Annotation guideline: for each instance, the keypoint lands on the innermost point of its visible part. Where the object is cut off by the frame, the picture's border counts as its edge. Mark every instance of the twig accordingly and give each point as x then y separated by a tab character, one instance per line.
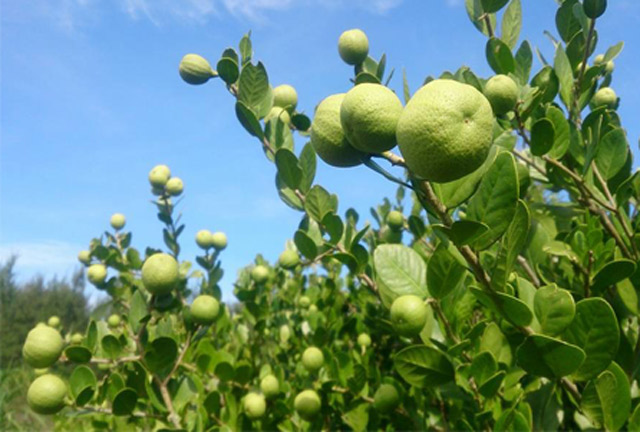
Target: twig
529	271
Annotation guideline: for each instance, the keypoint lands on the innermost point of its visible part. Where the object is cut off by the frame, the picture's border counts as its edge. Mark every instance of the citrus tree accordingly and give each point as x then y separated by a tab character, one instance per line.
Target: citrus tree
502	296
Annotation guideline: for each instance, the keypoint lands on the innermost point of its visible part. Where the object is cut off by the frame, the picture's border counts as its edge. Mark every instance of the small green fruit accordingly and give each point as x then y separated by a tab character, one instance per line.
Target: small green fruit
113	321
160	273
353	46
604	97
289	259
285	96
97	274
280	113
260	274
40	371
364	340
54	322
174	186
313	309
84	257
219	240
195	69
307	404
46	394
159	176
42	347
594	8
388	235
304	302
386	398
77	338
117	221
270	386
285	333
204	309
254	405
408	315
312	359
395	220
203	239
502	93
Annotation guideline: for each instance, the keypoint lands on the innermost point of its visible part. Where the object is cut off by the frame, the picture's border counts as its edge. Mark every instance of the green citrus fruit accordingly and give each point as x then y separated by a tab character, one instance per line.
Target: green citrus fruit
203	239
40	371
408	315
386	398
353	46
160	273
364	340
280	113
46	394
445	131
174	186
159	176
307	404
42	347
254	405
76	338
304	302
285	333
395	220
204	309
195	69
289	259
594	8
604	97
53	321
327	135
260	274
84	257
369	116
502	93
113	321
313	309
219	240
388	235
270	386
117	221
285	96
312	359
97	274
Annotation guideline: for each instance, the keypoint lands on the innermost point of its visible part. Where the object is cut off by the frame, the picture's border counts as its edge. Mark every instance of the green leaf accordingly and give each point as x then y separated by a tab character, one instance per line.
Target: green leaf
246	51
462	232
561	132
125	402
288	196
423	366
319	202
512	244
289	169
366	77
542	137
305	245
138	311
564	72
634	421
512	24
492	6
308	165
612	153
524	60
595	330
228	70
493	340
499	56
554	309
334	227
606	401
444	272
483	366
248	120
400	271
357	416
566	22
301	122
548	357
612	273
476	12
511	420
253	86
613	52
161	355
82	384
406	93
279	135
513	309
78	354
111	346
494	204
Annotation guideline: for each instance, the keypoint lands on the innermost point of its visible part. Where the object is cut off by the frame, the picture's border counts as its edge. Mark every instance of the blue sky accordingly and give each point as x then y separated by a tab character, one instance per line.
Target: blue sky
91	100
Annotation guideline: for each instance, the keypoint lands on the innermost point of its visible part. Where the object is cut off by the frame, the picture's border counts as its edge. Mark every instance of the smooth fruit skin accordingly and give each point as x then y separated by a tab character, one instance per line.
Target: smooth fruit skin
203	239
285	333
204	309
408	315
594	8
369	115
312	359
259	274
279	113
604	97
270	386
195	69
53	321
389	235
42	347
159	176
445	131
160	273
117	221
502	93
307	404
76	338
113	321
84	257
304	302
395	220
289	259
328	138
285	96
364	340
97	274
219	240
353	46
386	398
254	405
174	186
46	394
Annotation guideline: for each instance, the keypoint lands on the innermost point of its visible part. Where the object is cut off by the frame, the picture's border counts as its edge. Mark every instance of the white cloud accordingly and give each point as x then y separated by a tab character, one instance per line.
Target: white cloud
49	257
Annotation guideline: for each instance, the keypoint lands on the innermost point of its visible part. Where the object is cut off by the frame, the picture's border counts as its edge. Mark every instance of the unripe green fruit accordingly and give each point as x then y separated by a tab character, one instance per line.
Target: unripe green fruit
53	321
42	347
117	221
285	333
353	46
594	8
328	138
364	340
386	398
408	315
174	186
304	302
285	96
204	309
195	69
254	405
113	321
270	386
312	359
395	220
604	97
260	274
280	113
160	273
40	371
598	60
313	309
502	93
388	235
289	259
203	239
369	116
307	404
219	240
97	274
76	338
84	257
46	394
159	176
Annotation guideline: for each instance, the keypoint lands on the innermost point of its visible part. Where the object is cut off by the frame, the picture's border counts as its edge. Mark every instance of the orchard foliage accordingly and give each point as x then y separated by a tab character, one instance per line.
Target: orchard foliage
505	299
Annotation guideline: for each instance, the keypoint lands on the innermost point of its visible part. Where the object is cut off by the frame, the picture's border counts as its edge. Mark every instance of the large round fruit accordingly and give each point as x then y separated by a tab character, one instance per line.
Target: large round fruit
97	274
408	315
204	309
174	186
160	273
386	398
285	96
395	220
312	359
604	97
159	176
219	240
353	46
254	405
84	257
113	321
46	394
364	340
289	259
445	131
195	69
117	221
260	274
270	386
53	321
502	93
307	404
594	8
203	239
327	135
369	116
42	346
